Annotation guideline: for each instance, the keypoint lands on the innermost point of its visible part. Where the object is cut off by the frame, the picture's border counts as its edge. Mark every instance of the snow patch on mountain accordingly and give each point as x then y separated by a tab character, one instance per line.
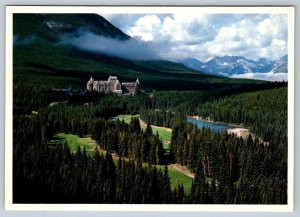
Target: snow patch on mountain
281	66
238	66
58	25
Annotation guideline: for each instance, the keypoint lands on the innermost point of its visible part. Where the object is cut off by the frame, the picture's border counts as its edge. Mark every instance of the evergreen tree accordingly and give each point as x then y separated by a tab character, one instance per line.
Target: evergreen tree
199	191
166	187
148	130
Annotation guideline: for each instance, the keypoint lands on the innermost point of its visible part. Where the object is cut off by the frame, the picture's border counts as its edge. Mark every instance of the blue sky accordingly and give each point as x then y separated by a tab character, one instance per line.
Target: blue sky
203	36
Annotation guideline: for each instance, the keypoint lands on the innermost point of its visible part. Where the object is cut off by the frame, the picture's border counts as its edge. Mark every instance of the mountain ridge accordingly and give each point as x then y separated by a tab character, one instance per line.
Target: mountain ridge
230	65
43	55
50	26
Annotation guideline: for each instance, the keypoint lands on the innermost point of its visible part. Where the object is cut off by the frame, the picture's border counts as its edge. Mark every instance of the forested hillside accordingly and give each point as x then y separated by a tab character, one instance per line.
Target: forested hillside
265	112
238	167
130	164
40	55
228	169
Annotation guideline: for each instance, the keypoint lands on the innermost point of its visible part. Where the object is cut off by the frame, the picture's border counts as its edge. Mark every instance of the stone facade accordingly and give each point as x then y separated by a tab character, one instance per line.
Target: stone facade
113	85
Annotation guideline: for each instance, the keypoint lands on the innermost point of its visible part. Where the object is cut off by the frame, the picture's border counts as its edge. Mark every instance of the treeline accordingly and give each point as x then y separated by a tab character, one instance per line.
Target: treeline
164	108
127	140
33	93
166	118
52	174
45	173
34	98
265	112
189	101
228	169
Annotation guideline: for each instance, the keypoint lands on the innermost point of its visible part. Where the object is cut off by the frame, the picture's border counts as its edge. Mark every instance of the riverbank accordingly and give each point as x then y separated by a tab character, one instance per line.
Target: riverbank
208	119
239	132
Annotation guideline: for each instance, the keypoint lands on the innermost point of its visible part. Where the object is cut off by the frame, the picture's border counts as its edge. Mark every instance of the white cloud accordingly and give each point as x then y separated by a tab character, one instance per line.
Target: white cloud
175	36
251	40
146	28
202	36
278	42
270	76
129	49
265	27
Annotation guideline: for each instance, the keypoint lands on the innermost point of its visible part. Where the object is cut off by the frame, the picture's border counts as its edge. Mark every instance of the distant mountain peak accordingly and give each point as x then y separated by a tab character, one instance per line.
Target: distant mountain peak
228	65
284	58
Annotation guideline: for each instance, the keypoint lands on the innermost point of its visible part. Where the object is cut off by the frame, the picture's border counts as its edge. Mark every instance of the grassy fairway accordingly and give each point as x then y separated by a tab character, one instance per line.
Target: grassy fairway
74	141
177	177
163	132
126	118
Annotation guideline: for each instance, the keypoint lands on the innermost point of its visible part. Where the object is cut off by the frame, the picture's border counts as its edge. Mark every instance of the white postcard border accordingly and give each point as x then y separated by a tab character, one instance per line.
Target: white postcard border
10	10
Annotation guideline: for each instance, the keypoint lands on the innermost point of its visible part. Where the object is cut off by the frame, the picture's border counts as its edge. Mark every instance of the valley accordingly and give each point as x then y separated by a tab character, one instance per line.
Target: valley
177	174
73	144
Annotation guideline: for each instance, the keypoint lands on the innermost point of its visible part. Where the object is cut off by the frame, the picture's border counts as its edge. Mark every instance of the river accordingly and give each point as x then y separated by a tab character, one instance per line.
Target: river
217	127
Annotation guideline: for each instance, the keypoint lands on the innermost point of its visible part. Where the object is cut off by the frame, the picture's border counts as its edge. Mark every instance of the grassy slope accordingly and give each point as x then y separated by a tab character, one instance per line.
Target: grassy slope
178	178
163	132
74	141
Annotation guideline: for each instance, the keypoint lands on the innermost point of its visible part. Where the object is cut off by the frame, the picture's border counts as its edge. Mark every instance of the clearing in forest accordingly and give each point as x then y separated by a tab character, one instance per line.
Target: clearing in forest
163	132
74	141
176	177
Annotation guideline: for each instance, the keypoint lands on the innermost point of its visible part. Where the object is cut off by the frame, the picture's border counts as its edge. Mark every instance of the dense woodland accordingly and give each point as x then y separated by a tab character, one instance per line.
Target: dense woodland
263	111
228	169
232	170
49	97
52	174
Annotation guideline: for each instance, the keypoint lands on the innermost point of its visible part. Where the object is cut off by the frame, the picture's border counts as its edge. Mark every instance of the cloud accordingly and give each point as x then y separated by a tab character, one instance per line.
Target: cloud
266	38
122	21
146	27
17	40
173	36
175	28
270	76
128	49
203	36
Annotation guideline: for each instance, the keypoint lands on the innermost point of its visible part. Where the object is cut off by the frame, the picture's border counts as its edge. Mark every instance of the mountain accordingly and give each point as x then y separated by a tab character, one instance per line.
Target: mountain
50	27
39	55
230	65
281	65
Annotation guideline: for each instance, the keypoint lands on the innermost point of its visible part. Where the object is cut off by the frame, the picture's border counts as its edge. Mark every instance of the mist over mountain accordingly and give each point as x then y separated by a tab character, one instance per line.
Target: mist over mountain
87	32
51	27
126	49
94	34
78	46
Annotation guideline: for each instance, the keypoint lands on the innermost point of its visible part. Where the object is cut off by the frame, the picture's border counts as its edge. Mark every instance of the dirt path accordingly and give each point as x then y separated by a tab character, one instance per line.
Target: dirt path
154	126
178	167
183	170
